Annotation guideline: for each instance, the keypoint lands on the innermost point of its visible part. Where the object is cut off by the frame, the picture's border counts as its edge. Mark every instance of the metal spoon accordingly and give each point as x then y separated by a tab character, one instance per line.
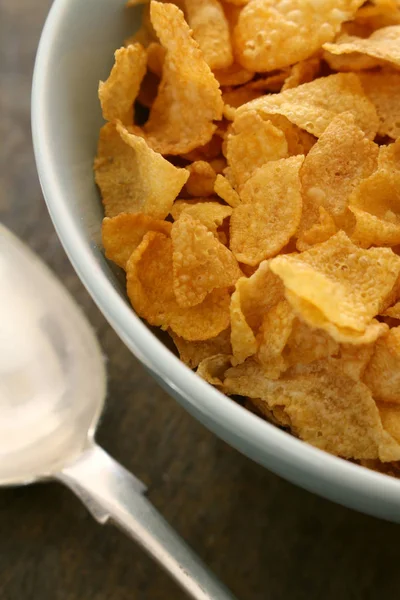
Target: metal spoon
52	390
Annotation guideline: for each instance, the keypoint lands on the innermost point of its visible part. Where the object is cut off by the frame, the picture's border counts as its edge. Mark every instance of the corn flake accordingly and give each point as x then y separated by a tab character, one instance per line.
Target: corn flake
213	368
390	417
350	62
218	164
316	319
269	213
155	58
353	359
210	214
302	72
180	205
389	156
151	292
210	29
235	98
383	89
273	336
201	179
243	340
312	106
276	415
319	232
383	44
375	204
299	141
346	283
382	374
187	88
271	35
233	75
306	344
332	169
122	234
259	293
224	189
393	311
118	94
134	178
193	353
378	14
252	299
201	263
251	143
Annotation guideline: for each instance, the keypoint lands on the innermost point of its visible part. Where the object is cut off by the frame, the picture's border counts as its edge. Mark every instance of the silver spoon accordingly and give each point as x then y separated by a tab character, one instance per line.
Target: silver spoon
52	390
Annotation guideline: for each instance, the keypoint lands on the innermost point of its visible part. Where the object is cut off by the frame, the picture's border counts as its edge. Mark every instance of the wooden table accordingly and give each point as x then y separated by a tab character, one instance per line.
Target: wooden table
264	537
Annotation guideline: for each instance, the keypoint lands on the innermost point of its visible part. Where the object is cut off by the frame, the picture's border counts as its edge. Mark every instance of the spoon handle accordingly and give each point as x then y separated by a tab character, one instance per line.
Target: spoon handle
110	492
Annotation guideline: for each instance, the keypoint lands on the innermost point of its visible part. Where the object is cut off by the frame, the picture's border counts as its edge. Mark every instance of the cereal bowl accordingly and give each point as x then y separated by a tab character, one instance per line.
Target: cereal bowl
75	52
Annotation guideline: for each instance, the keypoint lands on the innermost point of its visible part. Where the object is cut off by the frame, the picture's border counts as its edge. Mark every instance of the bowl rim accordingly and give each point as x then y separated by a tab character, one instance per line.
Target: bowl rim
253	436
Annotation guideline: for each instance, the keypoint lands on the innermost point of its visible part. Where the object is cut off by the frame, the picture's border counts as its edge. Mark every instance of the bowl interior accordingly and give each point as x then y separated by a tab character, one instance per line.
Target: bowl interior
76	51
82	59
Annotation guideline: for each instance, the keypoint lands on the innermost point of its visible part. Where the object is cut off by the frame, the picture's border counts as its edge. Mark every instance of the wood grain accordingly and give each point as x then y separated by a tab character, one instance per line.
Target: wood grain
264	537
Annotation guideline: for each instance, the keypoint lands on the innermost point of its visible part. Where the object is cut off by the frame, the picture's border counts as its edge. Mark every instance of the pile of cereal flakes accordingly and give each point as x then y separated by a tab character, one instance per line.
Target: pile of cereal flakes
250	175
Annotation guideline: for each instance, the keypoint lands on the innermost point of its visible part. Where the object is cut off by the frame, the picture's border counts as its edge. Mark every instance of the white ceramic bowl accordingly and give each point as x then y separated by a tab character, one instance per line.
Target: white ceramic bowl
76	50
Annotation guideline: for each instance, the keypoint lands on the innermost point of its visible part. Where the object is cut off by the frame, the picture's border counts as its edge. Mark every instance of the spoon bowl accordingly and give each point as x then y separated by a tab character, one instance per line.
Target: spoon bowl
52	374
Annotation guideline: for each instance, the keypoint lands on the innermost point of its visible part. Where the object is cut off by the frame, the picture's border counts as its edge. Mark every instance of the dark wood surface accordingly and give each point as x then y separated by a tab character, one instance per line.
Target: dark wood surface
265	538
